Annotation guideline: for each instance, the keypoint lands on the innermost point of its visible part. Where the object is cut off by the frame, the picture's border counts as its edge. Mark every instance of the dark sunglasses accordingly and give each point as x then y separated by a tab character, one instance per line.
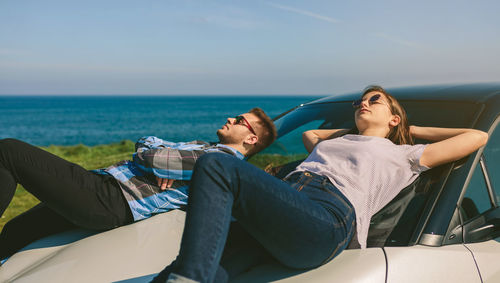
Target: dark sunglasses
373	99
240	120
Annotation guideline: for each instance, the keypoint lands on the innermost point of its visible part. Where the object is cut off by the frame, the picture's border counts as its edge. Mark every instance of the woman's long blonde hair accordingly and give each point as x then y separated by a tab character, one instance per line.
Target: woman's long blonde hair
399	134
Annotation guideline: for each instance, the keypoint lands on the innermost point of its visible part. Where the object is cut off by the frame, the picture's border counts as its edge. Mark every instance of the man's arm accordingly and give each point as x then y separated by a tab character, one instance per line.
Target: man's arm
149	142
168	163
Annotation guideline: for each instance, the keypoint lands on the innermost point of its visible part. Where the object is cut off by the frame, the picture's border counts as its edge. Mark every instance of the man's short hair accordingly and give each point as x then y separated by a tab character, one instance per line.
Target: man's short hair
266	131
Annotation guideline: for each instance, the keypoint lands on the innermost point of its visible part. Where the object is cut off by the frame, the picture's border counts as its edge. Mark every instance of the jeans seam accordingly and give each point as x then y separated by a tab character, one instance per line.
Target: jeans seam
349	207
214	246
346	205
348	216
332	255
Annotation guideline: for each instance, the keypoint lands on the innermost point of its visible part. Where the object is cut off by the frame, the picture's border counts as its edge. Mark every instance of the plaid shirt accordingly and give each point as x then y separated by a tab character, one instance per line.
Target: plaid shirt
155	157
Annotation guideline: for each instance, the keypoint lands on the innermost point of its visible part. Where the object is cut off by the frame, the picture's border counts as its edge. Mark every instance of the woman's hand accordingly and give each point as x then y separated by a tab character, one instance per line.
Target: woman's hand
312	137
164	183
450	144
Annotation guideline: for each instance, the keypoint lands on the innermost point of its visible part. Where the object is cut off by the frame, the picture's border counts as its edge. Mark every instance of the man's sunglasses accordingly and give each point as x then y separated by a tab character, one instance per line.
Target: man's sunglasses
373	99
240	120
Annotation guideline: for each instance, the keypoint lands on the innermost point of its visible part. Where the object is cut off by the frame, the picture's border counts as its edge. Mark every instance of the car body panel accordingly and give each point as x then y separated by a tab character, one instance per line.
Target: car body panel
453	263
487	257
366	265
477	93
139	251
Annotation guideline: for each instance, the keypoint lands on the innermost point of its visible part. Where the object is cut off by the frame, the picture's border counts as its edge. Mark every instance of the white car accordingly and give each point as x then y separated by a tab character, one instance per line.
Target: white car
445	227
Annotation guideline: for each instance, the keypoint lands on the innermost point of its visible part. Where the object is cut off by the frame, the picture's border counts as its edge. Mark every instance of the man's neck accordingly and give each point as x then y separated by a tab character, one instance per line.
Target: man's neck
238	147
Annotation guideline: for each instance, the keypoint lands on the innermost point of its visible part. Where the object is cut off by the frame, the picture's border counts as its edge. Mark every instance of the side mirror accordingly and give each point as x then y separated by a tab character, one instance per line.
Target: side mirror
483	227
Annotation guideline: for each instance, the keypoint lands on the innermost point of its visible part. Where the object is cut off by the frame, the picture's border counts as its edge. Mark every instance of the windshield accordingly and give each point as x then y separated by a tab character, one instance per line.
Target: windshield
340	115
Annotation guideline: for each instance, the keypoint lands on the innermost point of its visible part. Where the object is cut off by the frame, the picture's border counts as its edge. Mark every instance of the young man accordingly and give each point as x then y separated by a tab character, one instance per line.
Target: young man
155	181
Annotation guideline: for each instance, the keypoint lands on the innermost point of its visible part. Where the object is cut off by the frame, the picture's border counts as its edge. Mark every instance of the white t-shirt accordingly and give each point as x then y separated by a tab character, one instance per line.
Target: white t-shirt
369	171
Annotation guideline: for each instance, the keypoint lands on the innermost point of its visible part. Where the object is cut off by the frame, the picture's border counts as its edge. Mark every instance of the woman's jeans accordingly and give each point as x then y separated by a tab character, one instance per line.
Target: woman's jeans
303	222
83	198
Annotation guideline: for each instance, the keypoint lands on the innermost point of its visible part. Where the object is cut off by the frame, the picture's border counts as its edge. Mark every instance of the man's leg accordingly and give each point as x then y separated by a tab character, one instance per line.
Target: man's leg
297	231
34	224
84	198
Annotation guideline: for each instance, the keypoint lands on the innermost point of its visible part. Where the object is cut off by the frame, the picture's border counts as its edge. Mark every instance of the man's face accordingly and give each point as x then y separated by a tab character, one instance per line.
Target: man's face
236	130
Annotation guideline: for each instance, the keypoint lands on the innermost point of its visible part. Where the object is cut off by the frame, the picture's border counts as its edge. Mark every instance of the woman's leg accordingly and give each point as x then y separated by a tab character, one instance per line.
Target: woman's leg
84	198
298	231
241	253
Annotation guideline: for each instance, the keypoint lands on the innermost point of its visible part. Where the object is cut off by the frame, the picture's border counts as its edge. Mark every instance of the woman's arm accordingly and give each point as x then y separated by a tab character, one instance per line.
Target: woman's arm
312	137
450	144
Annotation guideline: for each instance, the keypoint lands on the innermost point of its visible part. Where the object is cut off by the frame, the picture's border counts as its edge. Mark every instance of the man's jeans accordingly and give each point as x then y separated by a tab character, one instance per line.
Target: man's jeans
303	222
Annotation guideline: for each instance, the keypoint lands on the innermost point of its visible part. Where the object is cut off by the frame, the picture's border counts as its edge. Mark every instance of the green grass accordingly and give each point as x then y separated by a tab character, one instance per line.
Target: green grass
102	156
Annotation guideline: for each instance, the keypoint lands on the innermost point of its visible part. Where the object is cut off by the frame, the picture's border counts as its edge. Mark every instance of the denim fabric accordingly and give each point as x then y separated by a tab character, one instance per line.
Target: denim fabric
175	278
303	222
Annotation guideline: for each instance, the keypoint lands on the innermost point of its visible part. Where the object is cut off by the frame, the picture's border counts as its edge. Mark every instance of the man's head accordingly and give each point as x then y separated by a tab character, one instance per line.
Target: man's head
249	133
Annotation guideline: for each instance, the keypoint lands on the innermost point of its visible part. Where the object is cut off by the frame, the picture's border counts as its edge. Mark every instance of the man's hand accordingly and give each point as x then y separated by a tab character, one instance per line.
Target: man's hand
164	183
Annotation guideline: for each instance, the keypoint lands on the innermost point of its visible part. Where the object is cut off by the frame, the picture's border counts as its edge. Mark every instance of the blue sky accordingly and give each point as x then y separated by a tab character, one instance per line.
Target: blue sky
243	47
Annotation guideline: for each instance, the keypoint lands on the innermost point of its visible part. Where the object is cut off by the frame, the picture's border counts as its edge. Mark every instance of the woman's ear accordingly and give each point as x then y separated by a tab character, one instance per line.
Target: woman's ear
395	120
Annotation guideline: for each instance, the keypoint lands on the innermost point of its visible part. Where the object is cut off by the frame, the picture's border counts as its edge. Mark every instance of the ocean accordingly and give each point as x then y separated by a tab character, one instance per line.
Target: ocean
93	120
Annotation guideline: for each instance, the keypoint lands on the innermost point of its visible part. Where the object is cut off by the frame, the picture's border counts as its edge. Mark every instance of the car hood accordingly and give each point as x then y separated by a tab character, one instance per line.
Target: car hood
137	252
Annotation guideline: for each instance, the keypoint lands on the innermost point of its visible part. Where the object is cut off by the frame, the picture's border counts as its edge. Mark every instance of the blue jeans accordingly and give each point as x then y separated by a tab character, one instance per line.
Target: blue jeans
303	222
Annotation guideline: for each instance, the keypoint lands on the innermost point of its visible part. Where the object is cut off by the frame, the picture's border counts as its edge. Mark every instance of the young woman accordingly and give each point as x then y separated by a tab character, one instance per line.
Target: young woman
309	217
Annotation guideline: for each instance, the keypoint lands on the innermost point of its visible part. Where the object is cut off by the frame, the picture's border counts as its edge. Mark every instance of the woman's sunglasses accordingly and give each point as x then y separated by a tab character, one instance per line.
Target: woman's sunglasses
240	120
372	100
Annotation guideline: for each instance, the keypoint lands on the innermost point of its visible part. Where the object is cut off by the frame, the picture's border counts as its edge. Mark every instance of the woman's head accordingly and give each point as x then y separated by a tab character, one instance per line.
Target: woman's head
380	111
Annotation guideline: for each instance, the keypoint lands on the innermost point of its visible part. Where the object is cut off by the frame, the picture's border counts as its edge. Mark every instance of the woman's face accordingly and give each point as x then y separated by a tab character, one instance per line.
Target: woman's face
374	111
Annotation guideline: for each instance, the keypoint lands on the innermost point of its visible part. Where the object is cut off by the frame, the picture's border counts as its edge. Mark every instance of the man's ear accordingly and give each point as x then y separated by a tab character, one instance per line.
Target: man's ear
396	119
251	139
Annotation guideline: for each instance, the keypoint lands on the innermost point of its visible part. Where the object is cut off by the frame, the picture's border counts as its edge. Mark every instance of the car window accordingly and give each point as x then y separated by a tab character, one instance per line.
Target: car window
477	199
291	126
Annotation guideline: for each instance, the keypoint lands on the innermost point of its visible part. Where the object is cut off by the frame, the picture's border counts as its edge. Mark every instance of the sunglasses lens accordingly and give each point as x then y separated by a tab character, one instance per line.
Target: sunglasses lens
356	103
375	98
238	119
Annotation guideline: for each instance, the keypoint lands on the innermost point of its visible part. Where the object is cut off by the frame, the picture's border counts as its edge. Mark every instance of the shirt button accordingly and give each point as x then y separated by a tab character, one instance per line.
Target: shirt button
307	174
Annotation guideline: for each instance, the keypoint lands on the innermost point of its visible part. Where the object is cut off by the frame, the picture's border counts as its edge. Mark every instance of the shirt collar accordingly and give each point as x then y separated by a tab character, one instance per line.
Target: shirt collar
236	152
355	137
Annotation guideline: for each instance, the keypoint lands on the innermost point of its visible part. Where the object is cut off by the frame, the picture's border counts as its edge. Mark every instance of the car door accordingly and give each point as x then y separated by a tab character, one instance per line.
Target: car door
480	209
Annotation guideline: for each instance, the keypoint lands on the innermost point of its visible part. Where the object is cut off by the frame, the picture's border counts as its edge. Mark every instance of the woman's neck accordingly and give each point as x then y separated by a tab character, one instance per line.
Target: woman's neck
374	132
